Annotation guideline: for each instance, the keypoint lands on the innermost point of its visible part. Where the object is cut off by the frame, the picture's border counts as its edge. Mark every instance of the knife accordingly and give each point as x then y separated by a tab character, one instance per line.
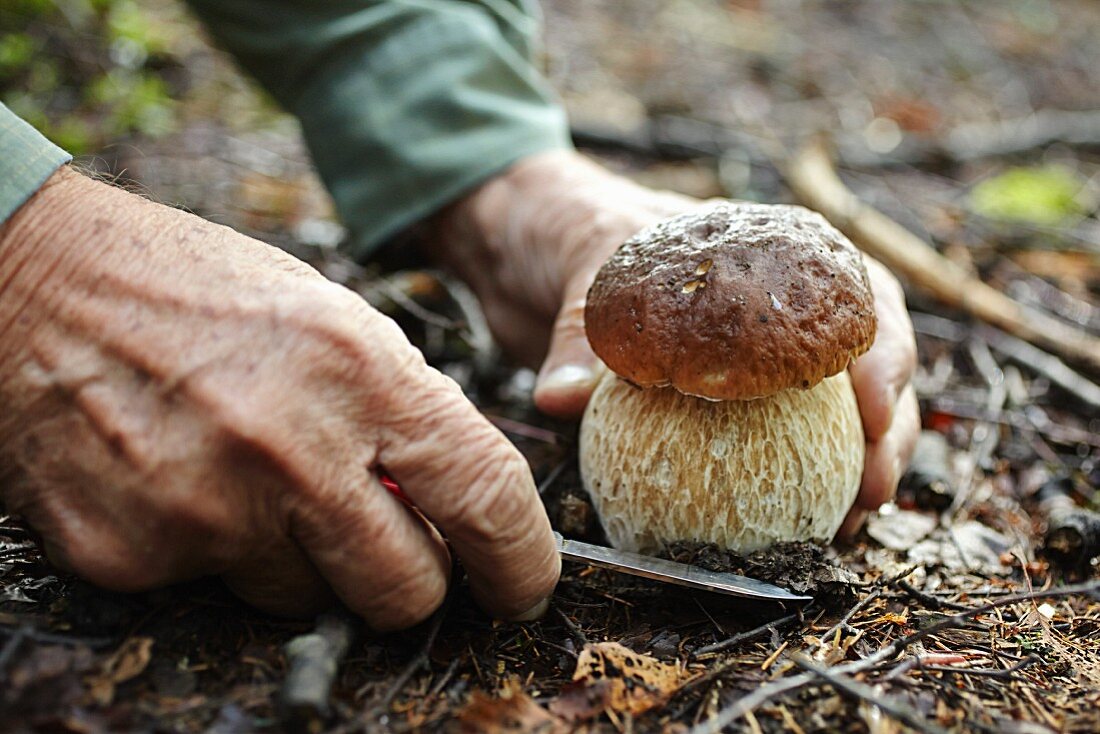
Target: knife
672	572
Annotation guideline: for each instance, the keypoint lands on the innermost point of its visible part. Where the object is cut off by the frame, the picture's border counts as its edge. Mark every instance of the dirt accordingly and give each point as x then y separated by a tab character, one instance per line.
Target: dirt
804	568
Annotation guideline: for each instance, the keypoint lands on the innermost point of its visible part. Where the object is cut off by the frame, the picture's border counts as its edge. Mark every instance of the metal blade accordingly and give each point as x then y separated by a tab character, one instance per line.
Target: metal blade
672	572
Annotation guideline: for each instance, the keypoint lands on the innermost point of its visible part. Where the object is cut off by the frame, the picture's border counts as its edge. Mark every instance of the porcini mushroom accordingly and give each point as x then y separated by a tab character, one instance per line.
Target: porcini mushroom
728	416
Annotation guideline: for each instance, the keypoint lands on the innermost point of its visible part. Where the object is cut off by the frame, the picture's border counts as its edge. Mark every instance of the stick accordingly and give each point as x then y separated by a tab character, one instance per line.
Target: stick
673	137
814	180
1044	364
312	661
721	645
419	660
843	623
1073	533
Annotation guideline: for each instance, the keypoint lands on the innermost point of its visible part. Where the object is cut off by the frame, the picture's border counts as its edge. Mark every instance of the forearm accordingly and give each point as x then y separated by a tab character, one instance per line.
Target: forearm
405	104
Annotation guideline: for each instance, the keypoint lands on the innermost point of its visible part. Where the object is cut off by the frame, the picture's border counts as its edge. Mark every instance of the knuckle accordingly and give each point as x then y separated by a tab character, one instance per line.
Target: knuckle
495	506
338	322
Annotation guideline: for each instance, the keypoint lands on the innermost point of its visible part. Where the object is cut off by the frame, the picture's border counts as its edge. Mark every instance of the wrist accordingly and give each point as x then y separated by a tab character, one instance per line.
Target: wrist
35	242
542	216
548	189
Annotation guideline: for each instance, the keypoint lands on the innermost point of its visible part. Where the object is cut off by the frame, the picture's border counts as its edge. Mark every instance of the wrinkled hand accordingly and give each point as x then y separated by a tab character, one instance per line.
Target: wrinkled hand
179	400
530	242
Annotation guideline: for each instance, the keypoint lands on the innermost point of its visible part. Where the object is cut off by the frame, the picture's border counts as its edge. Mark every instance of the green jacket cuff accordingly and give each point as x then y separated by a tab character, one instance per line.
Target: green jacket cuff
26	160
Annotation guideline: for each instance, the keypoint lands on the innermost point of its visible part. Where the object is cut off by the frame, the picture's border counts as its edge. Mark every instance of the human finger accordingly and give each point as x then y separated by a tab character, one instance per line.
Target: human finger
476	487
880	375
885	462
280	580
382	560
571	370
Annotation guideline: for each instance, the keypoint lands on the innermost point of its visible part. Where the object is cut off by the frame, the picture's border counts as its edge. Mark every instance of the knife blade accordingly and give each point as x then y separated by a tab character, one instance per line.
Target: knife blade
672	572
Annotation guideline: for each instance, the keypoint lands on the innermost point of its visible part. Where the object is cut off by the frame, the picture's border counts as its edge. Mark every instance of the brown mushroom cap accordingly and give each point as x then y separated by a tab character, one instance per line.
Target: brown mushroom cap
734	302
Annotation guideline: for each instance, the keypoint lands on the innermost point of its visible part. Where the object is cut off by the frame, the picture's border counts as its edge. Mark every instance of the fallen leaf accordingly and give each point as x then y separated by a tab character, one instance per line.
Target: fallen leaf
901	529
511	711
900	620
128	662
968	546
611	677
1046	195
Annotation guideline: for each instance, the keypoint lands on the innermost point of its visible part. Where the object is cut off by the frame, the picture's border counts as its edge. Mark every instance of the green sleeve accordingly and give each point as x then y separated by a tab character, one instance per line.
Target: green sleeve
405	104
26	160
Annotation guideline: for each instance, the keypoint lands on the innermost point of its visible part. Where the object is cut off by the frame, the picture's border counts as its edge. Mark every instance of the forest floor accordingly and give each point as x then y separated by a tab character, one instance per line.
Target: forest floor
974	125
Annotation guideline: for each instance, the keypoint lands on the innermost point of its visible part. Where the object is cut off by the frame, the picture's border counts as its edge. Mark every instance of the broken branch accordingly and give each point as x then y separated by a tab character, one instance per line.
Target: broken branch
1073	533
814	180
312	662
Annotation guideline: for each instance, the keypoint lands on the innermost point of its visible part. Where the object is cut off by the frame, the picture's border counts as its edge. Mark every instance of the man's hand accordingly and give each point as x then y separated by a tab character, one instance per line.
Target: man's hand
530	243
179	400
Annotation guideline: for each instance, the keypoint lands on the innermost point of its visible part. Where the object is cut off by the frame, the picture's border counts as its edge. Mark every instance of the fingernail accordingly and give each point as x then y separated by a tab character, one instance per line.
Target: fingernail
534	612
567	377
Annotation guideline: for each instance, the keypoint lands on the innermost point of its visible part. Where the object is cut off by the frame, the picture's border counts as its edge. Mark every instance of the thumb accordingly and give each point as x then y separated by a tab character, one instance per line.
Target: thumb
570	370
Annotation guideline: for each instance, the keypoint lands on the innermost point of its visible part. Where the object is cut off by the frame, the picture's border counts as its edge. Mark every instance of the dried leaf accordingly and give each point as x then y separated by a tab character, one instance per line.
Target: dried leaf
900	529
610	677
128	662
900	620
512	711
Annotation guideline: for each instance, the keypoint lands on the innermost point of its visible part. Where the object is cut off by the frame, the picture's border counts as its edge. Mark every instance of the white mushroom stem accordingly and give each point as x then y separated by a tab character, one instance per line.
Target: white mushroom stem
662	466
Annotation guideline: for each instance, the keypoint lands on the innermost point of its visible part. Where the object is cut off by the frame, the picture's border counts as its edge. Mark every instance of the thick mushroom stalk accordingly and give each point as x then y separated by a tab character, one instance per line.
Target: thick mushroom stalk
662	466
729	416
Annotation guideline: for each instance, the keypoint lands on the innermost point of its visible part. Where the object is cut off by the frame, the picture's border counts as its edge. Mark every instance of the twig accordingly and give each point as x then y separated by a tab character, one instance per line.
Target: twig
577	632
987	672
814	180
740	637
552	477
398	296
517	428
775	688
312	661
887	704
927	599
480	336
851	613
416	663
1044	364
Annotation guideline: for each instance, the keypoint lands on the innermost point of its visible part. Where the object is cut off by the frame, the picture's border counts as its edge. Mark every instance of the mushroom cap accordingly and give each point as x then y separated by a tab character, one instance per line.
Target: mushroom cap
737	301
662	466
